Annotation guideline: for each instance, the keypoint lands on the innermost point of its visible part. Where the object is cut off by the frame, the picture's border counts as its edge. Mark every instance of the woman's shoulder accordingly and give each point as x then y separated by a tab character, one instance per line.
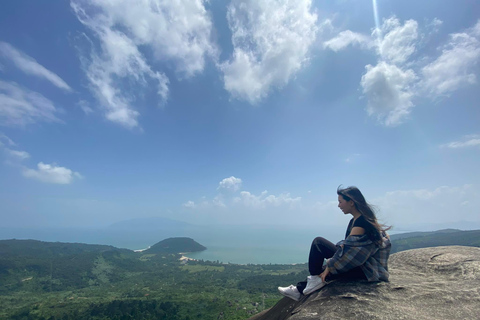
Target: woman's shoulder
361	222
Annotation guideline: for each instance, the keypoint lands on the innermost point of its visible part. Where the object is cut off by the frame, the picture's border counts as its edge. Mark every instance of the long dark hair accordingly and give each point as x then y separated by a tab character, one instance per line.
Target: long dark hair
366	210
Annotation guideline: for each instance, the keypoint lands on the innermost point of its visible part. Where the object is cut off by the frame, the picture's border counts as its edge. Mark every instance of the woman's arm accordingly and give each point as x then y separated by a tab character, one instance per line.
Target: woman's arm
324	274
357	231
353	252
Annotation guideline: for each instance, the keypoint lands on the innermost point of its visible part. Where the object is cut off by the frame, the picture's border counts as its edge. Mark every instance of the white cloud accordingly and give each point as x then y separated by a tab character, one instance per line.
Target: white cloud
399	77
346	38
14	155
245	207
20	155
271	41
394	42
388	87
231	184
466	142
389	92
4	140
20	106
85	106
264	200
120	59
176	31
398	42
189	204
48	173
30	66
51	174
455	66
219	201
434	25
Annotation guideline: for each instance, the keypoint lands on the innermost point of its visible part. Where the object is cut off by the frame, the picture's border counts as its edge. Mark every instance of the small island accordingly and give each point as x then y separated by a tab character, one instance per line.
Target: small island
175	245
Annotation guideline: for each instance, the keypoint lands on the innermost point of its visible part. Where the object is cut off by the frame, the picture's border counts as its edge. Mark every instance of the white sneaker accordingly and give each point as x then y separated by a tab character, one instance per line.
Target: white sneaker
313	283
290	292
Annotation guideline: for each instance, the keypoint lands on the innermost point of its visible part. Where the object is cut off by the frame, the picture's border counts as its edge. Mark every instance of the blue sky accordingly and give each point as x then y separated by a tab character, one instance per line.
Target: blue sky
238	112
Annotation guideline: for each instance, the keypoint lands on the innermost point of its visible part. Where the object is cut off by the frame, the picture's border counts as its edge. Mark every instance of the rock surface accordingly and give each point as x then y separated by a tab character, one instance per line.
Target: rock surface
428	283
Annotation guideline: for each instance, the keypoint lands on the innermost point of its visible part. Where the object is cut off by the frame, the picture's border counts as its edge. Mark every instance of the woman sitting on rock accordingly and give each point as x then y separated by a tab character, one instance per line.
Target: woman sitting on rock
363	255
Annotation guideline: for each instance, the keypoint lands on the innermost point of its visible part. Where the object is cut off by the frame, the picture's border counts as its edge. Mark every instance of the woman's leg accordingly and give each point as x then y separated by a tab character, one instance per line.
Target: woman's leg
320	250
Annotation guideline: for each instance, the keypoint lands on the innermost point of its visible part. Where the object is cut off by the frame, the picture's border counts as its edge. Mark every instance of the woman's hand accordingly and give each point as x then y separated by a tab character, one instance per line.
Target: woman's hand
324	274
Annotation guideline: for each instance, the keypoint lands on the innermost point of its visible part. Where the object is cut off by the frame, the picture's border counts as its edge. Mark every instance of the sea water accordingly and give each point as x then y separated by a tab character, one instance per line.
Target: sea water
260	245
225	244
253	255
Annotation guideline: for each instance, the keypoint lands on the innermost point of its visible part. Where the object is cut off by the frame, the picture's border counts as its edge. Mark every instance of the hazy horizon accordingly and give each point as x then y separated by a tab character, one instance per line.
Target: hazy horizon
228	244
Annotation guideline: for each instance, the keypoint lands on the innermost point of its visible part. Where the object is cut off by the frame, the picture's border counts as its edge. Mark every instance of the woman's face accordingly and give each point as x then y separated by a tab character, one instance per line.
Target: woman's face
345	206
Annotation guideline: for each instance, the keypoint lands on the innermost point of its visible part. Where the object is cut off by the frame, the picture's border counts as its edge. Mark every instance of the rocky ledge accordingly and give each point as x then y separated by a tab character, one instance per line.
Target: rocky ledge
428	283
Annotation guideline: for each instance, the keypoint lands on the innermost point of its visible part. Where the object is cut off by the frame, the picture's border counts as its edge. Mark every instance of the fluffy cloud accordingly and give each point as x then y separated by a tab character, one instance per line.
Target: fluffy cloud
231	184
20	106
453	68
20	155
189	204
394	42
271	41
48	173
389	92
466	142
392	85
243	207
388	86
346	38
30	66
264	200
51	174
177	31
398	42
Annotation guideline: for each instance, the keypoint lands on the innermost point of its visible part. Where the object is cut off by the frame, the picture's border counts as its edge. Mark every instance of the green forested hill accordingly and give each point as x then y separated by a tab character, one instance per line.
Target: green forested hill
45	280
176	245
448	237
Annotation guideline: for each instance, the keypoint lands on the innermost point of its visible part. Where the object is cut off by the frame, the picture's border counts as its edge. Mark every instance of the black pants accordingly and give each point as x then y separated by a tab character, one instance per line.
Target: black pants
320	250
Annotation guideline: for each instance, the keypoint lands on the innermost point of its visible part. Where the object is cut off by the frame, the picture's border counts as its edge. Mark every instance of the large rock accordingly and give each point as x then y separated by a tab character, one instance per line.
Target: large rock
429	283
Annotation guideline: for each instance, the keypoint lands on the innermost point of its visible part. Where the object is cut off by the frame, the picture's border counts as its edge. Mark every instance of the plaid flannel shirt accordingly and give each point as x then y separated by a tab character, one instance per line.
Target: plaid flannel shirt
361	251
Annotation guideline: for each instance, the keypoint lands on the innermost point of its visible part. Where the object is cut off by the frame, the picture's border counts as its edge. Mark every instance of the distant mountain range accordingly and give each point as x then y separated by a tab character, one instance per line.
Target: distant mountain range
446	237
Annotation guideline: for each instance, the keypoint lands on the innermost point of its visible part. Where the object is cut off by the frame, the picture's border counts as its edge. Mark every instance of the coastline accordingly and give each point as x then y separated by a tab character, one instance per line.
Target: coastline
185	258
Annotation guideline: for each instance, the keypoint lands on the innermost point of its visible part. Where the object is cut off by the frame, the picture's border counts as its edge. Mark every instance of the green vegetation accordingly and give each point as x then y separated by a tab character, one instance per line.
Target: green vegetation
200	268
176	245
44	280
448	237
